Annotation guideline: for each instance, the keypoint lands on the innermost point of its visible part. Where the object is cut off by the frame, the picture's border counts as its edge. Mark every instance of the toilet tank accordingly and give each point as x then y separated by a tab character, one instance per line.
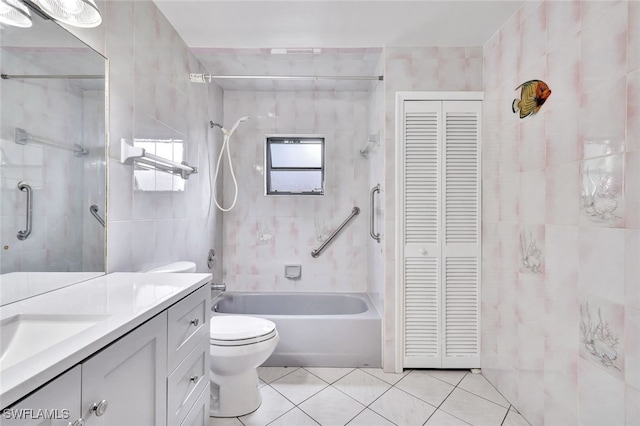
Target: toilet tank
183	266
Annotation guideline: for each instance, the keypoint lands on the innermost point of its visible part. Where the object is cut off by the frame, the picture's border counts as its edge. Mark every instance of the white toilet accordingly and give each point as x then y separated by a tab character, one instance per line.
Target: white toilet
183	266
239	345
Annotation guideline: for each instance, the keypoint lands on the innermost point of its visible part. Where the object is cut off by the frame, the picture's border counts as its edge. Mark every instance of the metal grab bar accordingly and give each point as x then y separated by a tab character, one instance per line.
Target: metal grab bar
354	212
94	211
22	137
375	235
24	186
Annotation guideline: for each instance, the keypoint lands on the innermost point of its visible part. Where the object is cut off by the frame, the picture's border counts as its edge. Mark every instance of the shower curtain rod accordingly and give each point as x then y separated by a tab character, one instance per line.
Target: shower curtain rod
61	76
206	78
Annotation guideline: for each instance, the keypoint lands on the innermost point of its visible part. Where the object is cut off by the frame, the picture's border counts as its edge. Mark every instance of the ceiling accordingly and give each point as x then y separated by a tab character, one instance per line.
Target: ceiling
346	23
235	37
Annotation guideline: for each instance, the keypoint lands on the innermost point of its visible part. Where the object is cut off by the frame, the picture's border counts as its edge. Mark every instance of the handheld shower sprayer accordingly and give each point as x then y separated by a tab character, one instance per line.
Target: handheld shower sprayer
225	145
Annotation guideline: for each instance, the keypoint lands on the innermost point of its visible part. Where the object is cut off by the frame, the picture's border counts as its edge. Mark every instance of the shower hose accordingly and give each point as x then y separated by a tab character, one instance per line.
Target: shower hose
225	147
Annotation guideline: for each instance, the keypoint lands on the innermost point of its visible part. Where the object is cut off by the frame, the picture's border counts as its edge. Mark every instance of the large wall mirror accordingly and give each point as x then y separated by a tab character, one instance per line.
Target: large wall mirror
52	160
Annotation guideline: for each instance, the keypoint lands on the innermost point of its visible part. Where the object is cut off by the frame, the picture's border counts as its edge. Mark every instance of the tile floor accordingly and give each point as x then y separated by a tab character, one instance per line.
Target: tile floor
369	397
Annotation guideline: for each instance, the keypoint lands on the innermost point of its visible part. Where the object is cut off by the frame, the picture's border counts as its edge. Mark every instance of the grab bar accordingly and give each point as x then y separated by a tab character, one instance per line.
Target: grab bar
354	212
375	235
94	211
24	186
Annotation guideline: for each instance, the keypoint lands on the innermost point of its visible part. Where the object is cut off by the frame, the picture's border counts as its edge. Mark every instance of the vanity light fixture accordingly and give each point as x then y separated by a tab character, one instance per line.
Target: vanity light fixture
15	13
78	13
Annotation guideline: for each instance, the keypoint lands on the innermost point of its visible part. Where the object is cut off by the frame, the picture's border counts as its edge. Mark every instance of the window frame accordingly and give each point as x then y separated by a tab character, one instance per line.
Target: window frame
295	138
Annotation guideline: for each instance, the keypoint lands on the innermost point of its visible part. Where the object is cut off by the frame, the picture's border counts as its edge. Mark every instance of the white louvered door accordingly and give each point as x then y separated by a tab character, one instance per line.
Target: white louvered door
440	221
422	205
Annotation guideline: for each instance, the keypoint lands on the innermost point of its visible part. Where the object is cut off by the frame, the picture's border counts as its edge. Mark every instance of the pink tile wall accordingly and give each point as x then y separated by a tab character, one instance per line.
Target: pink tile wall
150	94
561	343
417	69
262	233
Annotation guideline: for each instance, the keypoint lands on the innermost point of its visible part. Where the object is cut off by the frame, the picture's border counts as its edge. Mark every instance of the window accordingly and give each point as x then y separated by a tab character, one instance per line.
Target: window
294	165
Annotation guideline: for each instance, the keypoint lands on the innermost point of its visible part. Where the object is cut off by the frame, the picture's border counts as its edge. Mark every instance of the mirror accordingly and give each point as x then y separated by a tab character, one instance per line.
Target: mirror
52	160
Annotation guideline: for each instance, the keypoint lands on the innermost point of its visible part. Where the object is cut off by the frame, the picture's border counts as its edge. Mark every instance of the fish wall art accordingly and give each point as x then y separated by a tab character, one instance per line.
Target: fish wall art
533	95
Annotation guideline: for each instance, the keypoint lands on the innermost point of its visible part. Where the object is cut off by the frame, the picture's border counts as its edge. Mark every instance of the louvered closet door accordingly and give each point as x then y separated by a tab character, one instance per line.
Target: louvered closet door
440	220
422	223
461	241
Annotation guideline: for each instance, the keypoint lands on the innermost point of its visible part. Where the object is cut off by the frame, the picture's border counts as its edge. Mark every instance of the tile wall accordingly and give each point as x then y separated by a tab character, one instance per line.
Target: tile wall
61	226
264	233
560	308
413	69
151	96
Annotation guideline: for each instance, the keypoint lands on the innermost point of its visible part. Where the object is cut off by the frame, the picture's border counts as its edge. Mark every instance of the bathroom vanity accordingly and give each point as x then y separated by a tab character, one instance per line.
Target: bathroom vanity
122	349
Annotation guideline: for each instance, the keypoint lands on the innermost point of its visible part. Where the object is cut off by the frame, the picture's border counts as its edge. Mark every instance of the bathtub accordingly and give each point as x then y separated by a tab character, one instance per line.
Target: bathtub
316	329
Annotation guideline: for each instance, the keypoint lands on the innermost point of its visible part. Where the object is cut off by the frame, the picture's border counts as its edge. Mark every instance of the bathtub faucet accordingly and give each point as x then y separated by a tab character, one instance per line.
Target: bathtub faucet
221	287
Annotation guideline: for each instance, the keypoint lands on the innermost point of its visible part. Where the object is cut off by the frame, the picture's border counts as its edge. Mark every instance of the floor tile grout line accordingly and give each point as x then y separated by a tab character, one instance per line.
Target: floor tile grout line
330	383
486	399
306	399
496	389
373	375
284	375
380	414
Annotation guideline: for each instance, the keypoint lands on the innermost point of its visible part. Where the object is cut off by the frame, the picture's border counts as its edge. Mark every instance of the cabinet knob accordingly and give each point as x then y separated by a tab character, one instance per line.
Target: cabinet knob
194	378
79	422
424	252
99	408
195	321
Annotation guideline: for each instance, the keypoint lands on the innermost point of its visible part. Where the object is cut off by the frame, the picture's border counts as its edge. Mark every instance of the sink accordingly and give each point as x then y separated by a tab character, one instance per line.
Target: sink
24	335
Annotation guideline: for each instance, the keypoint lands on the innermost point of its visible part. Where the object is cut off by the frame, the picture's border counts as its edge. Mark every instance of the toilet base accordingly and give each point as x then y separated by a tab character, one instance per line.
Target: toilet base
236	395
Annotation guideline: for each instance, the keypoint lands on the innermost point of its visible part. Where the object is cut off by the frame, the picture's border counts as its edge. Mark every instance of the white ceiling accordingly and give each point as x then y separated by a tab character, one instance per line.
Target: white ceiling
338	24
235	37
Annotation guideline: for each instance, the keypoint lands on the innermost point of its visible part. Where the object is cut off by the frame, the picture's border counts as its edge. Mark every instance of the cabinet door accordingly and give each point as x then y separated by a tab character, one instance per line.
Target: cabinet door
55	404
130	376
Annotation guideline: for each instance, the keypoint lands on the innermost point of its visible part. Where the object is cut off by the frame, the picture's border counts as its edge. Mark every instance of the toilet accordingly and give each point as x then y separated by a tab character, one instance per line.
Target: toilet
182	266
238	345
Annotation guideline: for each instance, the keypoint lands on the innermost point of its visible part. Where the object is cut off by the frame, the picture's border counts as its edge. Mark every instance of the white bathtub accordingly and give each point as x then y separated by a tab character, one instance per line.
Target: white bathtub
316	329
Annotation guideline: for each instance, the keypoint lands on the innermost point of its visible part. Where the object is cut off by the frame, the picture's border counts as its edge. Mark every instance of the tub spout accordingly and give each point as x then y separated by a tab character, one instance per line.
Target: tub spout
221	287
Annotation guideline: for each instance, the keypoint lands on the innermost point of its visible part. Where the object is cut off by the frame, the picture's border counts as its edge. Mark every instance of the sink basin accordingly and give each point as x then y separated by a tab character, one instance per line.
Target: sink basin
24	335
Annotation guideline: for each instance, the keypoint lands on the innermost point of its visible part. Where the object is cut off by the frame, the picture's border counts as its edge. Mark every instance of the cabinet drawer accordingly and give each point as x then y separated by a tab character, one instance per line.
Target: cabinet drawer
199	414
187	382
188	324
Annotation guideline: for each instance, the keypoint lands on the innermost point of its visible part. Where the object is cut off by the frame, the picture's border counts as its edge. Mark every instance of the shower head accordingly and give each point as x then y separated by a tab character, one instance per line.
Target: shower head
235	126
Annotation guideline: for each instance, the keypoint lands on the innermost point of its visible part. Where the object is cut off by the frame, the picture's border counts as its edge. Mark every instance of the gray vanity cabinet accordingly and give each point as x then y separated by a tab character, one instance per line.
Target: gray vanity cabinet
155	375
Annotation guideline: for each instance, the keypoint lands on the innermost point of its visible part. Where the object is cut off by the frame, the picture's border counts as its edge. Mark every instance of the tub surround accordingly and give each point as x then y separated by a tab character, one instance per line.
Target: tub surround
124	300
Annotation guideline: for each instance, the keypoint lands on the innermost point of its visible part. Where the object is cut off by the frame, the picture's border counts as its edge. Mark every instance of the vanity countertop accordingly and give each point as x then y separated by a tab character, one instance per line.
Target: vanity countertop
122	301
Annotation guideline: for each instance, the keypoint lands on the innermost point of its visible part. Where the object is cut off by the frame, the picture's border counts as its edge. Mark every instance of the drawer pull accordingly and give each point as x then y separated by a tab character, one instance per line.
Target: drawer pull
194	378
195	321
99	407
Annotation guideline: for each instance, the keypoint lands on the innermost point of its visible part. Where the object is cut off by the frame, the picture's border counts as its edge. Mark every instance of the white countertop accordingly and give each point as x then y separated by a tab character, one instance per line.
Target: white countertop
126	299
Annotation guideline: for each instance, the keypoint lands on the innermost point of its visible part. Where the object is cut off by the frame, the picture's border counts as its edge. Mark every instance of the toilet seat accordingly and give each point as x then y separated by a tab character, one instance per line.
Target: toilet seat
239	330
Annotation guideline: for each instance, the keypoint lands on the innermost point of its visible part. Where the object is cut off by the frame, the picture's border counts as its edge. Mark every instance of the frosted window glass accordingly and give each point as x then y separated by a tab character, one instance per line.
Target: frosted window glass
296	155
296	181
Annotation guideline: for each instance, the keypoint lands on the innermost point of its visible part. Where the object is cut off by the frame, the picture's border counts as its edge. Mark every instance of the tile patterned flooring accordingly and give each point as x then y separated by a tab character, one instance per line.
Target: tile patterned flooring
293	396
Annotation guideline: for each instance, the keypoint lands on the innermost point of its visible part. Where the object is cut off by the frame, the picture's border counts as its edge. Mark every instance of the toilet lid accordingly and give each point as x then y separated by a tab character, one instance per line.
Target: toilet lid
227	328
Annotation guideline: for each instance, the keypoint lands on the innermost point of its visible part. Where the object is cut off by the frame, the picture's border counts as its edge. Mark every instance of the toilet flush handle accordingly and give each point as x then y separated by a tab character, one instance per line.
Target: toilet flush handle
221	287
195	321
